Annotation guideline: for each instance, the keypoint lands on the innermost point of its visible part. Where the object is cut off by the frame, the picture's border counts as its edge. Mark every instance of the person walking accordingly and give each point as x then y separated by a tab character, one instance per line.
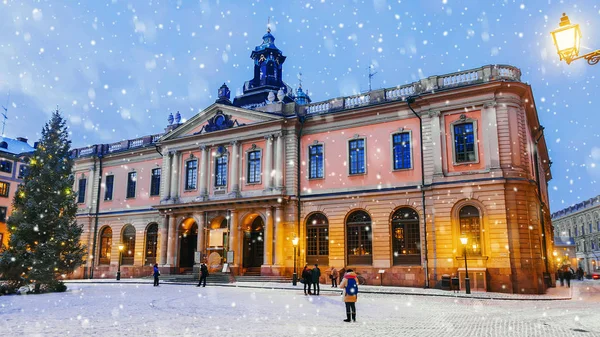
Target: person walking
316	274
334	277
203	275
561	277
580	274
568	275
307	277
156	274
349	287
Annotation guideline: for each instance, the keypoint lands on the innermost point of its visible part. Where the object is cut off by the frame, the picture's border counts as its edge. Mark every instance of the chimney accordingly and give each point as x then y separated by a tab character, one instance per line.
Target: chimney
22	139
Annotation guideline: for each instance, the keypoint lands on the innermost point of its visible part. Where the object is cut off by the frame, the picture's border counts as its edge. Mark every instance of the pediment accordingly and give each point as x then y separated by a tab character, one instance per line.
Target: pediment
219	117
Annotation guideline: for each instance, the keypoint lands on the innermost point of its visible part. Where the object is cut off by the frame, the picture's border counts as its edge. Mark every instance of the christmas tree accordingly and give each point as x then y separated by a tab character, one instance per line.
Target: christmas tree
44	241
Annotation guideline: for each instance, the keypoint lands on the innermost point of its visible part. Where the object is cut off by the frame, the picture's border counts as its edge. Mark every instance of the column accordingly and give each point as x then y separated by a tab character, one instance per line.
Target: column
279	160
235	159
166	177
233	236
164	232
171	242
173	184
268	258
436	142
89	185
200	241
490	135
203	171
279	237
176	176
268	162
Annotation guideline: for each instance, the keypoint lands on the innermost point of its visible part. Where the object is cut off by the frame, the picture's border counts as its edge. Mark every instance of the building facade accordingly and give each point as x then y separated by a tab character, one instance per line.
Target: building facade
14	156
366	181
579	226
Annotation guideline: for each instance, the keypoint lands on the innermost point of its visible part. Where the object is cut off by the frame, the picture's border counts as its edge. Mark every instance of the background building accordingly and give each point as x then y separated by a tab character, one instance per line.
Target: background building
14	156
364	181
579	225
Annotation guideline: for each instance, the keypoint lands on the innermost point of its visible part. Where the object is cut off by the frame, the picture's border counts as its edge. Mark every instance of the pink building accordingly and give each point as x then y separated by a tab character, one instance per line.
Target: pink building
14	156
363	181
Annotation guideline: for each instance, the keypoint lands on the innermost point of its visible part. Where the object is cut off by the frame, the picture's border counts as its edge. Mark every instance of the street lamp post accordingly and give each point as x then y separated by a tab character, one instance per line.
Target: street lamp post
567	38
295	276
120	256
467	280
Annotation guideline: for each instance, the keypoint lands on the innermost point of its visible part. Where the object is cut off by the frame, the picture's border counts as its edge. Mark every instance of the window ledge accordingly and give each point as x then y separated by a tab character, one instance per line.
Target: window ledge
465	163
402	169
316	178
189	189
357	174
472	258
254	184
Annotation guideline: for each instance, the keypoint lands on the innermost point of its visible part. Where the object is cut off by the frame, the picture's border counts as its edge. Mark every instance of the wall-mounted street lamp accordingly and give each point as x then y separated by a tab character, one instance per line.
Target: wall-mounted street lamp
295	276
120	257
567	38
464	242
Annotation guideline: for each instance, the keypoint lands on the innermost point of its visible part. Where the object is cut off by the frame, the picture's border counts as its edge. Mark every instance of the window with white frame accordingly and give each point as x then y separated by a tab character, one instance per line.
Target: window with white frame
191	174
464	137
254	167
356	156
221	171
401	150
315	161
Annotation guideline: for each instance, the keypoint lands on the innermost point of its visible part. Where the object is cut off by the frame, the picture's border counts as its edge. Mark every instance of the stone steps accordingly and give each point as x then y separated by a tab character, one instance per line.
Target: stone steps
253	278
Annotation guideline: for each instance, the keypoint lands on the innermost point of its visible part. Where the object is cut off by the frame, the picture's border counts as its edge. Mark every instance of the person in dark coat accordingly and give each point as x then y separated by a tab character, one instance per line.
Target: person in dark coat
307	277
561	277
203	275
568	275
580	274
316	274
156	274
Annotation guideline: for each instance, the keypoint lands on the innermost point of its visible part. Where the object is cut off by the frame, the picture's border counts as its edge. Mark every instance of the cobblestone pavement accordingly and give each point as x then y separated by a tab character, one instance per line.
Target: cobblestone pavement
185	310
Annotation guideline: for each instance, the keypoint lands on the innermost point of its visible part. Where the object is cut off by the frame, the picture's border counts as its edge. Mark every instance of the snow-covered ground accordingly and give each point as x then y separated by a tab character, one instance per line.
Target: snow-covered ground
184	310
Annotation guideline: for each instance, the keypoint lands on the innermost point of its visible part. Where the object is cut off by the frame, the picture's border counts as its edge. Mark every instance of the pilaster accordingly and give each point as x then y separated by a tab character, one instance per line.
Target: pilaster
267	174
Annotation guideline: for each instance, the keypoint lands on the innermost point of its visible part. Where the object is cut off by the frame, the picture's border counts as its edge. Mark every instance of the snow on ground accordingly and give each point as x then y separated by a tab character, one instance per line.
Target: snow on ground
185	310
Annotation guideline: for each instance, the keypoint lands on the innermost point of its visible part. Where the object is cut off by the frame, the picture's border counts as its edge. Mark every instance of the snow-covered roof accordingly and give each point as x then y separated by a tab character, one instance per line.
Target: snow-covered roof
15	146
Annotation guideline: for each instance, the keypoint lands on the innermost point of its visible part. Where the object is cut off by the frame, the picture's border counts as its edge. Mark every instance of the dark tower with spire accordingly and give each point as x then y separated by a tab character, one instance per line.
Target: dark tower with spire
268	71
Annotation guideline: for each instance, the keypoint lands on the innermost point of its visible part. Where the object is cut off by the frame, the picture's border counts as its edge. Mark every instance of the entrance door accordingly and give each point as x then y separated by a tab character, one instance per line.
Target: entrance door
187	246
254	244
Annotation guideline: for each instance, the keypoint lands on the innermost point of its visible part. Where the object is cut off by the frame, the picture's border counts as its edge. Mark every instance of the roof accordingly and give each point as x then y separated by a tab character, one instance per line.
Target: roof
16	147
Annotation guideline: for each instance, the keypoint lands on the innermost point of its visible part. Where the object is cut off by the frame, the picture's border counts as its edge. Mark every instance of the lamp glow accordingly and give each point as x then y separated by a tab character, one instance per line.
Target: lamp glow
567	40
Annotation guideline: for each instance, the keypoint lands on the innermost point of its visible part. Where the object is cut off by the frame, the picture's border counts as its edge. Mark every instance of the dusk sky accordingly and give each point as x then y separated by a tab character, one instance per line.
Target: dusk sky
116	69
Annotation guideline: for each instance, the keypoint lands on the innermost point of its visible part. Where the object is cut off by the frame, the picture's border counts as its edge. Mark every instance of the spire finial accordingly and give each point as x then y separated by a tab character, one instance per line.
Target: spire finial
268	24
300	80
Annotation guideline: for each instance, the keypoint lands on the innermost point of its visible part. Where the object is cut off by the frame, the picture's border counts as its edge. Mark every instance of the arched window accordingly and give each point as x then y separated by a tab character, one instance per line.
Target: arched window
470	227
128	241
151	243
406	239
317	239
359	246
105	245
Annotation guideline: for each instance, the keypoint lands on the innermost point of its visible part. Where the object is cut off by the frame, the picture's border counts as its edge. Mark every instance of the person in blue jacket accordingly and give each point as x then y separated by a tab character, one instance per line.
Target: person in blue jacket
156	274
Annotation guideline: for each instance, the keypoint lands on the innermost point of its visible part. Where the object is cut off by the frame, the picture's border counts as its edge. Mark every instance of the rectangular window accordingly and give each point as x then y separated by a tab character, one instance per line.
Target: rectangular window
254	167
3	211
81	192
357	156
6	166
23	170
131	182
155	182
591	228
4	187
221	171
191	174
576	234
464	143
315	161
108	187
401	145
